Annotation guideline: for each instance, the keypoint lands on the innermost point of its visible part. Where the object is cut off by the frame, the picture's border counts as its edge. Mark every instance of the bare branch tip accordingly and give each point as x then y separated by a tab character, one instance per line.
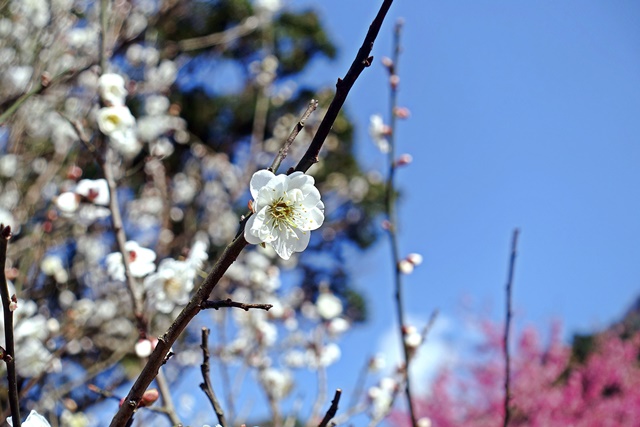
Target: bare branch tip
5	231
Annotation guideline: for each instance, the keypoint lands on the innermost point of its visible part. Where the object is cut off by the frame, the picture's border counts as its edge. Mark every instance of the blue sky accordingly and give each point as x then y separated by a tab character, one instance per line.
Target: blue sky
524	114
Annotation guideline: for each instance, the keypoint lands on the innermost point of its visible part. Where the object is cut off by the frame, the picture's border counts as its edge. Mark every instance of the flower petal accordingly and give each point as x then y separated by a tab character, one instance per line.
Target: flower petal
250	229
259	180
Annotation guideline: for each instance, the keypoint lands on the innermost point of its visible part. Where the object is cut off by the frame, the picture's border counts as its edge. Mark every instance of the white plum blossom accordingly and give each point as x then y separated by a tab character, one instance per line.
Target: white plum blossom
328	305
111	89
33	420
269	6
141	261
172	284
415	259
286	209
94	190
338	326
118	124
278	383
412	338
379	132
112	120
381	396
51	265
405	266
68	202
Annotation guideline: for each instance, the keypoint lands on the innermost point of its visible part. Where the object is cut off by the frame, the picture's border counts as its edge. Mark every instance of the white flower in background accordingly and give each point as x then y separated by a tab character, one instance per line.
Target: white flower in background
415	259
111	89
8	165
112	120
328	305
405	266
144	347
51	265
381	397
338	326
424	422
379	132
94	190
172	284
68	202
119	125
141	261
33	420
412	338
7	219
324	356
270	6
278	383
287	208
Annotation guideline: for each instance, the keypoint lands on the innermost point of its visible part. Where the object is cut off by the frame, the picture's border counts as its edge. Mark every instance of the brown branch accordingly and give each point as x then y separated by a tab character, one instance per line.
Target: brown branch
507	328
393	220
231	252
331	412
206	386
9	355
284	150
229	303
343	86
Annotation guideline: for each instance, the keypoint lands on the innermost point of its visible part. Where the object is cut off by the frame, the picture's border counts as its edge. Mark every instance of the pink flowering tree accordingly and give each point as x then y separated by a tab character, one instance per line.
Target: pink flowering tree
595	383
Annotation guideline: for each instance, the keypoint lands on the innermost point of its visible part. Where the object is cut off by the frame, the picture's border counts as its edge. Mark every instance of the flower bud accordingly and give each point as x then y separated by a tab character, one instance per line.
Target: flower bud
404	160
401	112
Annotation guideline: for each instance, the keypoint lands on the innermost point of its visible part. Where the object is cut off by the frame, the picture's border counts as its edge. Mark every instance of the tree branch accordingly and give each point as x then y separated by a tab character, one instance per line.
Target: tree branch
507	329
331	412
206	386
284	150
229	303
9	355
343	86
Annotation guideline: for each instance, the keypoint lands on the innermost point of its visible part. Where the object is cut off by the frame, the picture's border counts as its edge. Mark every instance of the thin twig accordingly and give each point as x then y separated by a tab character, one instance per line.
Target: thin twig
9	355
246	27
507	328
206	386
121	239
343	86
167	402
331	412
284	150
229	303
104	25
231	252
227	388
393	220
429	326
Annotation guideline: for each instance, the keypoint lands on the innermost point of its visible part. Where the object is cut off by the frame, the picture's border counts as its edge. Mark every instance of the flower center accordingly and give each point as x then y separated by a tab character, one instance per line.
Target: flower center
283	212
172	287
